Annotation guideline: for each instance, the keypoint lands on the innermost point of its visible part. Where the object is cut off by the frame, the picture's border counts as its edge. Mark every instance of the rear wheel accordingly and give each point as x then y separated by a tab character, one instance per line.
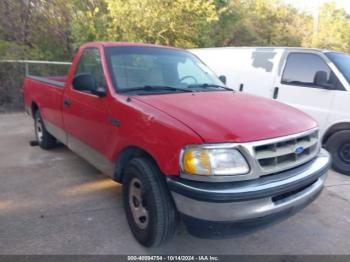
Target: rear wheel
339	147
44	138
149	208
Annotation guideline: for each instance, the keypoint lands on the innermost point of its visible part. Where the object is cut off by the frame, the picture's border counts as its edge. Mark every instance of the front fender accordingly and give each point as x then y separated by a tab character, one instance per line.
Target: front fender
153	131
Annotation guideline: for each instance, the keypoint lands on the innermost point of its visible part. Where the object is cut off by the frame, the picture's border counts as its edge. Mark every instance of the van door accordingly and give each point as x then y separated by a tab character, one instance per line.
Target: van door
307	83
257	71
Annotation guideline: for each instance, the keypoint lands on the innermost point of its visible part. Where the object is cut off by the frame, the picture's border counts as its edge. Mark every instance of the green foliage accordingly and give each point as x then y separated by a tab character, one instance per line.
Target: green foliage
262	23
35	29
332	30
53	29
90	21
180	23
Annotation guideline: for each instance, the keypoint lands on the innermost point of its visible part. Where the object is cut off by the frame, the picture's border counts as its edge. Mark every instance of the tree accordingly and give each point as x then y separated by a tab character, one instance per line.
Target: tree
263	22
52	29
91	21
180	23
332	31
230	28
35	29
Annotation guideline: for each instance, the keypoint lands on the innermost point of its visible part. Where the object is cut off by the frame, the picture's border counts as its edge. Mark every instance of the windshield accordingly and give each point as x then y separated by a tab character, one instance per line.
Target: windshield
159	70
342	62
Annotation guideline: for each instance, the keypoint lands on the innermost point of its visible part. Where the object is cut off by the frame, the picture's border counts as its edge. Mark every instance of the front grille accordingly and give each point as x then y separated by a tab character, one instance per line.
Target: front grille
284	154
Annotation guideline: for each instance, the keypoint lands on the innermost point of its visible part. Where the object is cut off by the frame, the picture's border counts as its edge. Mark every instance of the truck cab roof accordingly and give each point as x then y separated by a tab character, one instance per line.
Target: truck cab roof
113	44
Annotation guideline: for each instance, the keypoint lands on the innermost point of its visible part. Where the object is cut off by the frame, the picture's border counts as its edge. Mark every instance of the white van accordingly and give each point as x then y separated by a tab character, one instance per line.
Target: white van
313	80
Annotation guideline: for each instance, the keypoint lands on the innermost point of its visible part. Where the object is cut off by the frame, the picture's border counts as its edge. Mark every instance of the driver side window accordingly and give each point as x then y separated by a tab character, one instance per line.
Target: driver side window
90	63
309	70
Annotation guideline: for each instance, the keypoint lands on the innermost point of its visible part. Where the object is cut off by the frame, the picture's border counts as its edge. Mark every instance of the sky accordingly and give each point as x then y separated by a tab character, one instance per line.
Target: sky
312	5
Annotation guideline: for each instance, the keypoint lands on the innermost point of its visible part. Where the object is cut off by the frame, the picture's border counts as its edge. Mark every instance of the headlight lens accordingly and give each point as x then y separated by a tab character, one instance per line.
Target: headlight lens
211	161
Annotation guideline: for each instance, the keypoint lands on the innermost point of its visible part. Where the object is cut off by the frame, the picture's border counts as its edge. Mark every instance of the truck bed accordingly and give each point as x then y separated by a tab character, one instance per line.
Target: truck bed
51	80
47	92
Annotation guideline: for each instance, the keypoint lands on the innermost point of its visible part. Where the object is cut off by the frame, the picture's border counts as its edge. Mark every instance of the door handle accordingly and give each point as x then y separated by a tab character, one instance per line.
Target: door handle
275	93
241	88
66	103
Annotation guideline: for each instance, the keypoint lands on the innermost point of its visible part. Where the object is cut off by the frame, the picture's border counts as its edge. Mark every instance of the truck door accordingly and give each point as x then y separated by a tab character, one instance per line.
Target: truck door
85	115
307	83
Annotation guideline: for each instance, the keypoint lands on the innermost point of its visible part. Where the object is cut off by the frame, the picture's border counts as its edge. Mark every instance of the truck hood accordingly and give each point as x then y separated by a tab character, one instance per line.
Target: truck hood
231	117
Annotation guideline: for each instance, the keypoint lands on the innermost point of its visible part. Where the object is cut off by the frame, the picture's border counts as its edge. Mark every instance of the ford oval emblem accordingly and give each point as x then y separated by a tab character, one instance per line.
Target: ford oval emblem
299	150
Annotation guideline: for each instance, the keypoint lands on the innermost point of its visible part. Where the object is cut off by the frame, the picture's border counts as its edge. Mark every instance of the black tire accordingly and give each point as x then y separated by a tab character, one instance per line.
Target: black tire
45	139
339	147
159	222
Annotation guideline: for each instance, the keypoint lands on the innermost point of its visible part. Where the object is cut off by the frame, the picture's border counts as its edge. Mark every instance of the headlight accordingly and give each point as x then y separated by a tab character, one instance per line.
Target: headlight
213	161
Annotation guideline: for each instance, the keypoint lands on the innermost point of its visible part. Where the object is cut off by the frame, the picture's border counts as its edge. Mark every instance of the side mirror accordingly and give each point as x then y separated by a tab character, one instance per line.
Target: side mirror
223	79
321	80
87	83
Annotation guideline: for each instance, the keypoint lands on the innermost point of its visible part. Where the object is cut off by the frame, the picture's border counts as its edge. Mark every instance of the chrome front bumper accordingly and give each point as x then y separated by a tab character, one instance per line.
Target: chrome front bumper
246	200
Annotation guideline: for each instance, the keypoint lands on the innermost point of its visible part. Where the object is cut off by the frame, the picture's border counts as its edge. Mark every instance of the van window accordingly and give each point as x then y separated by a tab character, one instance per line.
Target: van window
342	62
309	70
90	63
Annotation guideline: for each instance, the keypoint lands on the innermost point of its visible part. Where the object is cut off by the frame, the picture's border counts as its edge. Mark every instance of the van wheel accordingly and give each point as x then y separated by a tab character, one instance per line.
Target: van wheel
339	147
44	138
149	208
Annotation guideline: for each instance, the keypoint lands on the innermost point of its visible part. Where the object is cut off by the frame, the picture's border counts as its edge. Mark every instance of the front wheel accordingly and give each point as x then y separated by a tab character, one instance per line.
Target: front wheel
44	138
339	147
149	208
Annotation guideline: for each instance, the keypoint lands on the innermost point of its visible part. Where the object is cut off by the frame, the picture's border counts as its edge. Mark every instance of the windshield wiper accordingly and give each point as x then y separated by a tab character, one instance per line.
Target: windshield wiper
155	88
205	85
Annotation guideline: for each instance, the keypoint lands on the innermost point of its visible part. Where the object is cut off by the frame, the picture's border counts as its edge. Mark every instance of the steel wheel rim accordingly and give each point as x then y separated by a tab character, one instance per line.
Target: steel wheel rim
39	129
345	153
138	204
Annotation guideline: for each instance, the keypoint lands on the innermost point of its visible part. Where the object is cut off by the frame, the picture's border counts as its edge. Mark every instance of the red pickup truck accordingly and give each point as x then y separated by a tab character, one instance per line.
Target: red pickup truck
157	120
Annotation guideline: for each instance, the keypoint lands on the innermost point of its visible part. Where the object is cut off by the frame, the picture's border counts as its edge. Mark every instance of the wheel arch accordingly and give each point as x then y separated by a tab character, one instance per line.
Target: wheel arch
334	129
124	158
